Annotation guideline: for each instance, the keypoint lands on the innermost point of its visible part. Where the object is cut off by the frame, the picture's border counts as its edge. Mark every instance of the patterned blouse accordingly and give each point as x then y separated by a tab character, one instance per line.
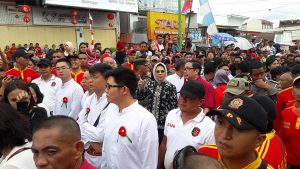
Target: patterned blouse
162	98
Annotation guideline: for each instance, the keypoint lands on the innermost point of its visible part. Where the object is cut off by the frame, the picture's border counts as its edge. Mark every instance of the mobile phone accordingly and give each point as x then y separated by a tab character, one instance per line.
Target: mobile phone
23	107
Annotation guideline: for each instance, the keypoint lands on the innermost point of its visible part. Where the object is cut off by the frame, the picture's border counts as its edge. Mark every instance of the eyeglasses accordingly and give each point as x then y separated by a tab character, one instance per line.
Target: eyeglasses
108	86
188	68
160	71
61	68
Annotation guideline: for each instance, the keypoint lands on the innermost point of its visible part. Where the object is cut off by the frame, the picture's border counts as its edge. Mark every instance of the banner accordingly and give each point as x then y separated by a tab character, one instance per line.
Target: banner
110	5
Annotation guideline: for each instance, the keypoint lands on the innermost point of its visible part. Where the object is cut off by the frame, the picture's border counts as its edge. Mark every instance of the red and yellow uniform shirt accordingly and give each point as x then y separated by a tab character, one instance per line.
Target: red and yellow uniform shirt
273	151
212	151
78	77
27	75
284	100
128	65
289	132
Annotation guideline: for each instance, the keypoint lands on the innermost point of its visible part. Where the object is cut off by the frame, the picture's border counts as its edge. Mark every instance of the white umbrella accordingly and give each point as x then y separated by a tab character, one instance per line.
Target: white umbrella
241	42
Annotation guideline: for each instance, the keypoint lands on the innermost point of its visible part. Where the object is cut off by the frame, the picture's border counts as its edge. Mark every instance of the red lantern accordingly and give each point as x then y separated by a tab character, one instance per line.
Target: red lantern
110	16
74	13
26	19
25	9
74	21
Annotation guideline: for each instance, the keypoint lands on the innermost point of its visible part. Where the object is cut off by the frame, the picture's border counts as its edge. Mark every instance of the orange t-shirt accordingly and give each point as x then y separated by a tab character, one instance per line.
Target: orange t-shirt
78	77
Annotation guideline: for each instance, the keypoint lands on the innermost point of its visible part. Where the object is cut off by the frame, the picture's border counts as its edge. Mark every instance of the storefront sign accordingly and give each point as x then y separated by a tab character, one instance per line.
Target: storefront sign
163	23
48	16
112	5
159	5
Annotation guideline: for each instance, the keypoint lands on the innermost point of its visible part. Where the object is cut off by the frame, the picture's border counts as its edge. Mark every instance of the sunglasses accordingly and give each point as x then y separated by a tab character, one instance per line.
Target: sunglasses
160	71
108	86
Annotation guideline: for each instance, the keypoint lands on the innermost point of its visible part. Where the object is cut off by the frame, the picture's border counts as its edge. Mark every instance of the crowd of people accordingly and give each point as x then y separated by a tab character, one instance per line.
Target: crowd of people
151	106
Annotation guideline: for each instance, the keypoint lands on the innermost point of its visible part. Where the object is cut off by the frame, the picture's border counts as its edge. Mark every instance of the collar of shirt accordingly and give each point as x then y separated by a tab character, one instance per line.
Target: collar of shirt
103	96
255	164
197	119
129	108
67	83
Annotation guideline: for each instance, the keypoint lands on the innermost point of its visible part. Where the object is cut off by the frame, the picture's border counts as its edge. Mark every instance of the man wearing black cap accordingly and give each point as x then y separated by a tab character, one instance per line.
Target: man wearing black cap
289	129
238	133
186	125
48	83
21	70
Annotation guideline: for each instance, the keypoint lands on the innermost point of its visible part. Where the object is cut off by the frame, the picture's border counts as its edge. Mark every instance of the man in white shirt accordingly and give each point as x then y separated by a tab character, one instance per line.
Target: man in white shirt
92	117
187	125
160	40
69	95
177	78
131	138
48	84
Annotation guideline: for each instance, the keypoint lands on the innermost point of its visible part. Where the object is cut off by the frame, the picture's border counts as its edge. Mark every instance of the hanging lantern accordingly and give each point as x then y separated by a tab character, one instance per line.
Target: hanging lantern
73	13
25	9
74	21
110	16
26	19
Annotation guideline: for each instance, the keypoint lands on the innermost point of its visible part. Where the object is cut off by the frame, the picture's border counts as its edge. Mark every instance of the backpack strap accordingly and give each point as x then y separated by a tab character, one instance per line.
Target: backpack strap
17	152
97	121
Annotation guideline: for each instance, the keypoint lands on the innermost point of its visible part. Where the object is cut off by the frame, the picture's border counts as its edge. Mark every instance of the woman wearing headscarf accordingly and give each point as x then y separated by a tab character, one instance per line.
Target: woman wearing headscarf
161	95
90	51
221	79
68	49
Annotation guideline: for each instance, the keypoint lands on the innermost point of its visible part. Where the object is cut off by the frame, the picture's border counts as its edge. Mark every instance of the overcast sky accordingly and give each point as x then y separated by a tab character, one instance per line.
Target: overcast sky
273	10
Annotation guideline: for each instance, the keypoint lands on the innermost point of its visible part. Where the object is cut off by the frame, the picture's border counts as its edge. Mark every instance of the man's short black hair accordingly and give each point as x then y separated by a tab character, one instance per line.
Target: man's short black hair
69	128
179	63
196	65
243	66
100	68
124	76
144	43
64	60
14	127
255	65
159	35
210	67
276	72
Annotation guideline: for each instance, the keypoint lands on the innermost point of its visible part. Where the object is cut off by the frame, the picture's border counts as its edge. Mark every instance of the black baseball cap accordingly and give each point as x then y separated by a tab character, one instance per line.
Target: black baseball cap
44	62
193	89
22	52
243	113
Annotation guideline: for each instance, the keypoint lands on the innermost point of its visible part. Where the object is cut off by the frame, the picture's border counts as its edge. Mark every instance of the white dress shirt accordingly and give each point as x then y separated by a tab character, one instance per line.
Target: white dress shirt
141	128
89	132
176	81
86	99
180	135
48	88
73	92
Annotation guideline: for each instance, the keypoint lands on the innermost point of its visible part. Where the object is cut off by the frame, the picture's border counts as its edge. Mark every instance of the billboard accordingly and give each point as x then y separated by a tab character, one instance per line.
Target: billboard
112	5
162	23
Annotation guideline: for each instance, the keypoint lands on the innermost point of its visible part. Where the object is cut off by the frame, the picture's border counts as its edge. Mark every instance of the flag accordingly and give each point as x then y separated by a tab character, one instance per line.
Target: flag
187	6
91	30
208	18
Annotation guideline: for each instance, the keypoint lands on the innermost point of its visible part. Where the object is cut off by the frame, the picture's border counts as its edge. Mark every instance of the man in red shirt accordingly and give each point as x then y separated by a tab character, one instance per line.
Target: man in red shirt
285	98
21	70
56	143
131	55
238	132
289	128
77	73
192	72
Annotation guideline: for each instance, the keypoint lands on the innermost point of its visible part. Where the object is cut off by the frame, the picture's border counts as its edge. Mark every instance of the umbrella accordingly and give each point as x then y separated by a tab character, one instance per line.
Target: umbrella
240	42
223	37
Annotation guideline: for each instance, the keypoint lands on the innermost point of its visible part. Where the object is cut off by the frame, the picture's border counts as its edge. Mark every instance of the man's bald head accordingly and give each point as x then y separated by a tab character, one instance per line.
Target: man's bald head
201	161
110	61
68	127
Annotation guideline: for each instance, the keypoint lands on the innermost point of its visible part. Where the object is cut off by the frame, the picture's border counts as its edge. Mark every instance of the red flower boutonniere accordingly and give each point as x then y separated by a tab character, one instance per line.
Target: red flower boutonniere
65	101
122	133
87	111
